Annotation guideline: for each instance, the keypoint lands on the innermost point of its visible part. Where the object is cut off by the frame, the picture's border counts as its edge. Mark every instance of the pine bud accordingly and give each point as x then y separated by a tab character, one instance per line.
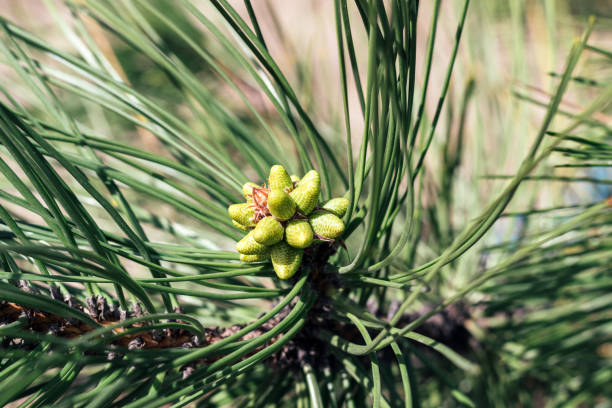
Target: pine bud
294	178
240	226
337	206
242	213
306	193
298	233
280	204
255	258
248	245
268	231
285	260
279	179
326	224
247	190
312	175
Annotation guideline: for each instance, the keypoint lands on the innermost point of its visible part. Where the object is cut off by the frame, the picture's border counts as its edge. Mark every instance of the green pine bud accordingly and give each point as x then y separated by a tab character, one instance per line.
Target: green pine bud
306	193
255	258
337	206
298	233
280	204
286	260
247	190
242	213
279	179
294	178
268	231
248	245
312	175
240	226
326	224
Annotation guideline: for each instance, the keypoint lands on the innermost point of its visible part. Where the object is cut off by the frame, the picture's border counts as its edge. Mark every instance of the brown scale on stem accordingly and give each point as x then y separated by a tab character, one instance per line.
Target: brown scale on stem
38	321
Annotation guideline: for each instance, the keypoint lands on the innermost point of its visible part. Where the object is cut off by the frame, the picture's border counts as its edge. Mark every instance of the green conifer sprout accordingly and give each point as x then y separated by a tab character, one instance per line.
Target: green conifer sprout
268	231
240	226
255	258
299	234
242	213
281	205
306	194
312	175
286	260
337	206
275	229
326	224
248	245
279	179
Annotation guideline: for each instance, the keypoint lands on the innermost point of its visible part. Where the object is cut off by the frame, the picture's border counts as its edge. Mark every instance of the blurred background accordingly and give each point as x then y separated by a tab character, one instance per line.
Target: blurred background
510	55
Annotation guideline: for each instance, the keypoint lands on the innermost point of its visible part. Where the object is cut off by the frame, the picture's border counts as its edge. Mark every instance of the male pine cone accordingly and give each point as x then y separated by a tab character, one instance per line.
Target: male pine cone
283	218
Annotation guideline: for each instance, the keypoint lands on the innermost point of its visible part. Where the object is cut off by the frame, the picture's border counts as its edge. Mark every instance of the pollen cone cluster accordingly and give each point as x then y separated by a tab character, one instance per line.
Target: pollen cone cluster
283	217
